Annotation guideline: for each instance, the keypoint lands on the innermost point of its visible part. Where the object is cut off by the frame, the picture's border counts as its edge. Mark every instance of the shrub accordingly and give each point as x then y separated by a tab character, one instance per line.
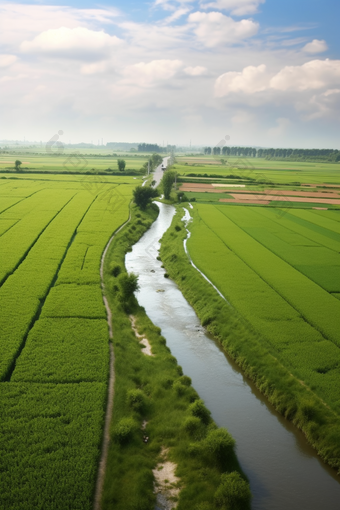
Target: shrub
179	388
123	430
136	399
192	424
199	410
128	285
116	270
185	380
233	492
219	442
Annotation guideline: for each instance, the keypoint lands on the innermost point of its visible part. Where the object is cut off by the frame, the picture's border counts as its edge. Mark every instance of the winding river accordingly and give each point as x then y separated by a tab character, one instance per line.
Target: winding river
283	470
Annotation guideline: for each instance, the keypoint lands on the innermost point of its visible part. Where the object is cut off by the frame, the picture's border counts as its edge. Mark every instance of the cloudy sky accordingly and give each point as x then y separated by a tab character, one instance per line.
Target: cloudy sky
263	72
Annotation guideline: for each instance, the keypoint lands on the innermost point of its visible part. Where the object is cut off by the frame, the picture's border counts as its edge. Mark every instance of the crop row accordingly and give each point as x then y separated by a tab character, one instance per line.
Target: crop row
24	291
320	264
31	217
321	221
106	214
281	326
314	304
64	351
51	435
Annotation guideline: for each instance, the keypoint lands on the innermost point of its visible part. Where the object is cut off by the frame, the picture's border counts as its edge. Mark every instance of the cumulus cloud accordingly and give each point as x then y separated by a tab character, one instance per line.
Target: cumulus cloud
252	79
151	73
77	42
316	46
7	60
195	71
236	7
214	28
315	74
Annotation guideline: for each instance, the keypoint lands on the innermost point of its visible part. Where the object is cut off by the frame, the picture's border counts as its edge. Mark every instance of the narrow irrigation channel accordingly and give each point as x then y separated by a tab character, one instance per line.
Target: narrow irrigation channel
283	470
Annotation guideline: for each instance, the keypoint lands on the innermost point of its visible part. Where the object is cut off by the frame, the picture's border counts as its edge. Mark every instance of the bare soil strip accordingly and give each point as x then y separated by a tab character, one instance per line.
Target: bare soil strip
144	341
227	188
110	389
286	198
166	482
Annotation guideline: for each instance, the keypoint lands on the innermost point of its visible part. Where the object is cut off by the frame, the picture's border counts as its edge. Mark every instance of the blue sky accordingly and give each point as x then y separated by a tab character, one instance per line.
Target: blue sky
264	72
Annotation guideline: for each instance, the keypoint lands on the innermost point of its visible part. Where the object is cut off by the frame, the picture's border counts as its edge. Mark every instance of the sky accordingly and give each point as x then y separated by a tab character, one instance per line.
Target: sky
253	72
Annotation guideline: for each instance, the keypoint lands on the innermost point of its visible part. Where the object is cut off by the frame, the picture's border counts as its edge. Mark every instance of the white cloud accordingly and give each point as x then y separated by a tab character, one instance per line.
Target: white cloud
214	28
312	75
236	7
151	73
7	60
316	46
195	71
252	79
315	74
77	42
176	15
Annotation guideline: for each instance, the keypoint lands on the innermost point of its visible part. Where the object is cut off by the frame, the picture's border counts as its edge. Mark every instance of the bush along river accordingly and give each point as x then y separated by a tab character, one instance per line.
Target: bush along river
283	469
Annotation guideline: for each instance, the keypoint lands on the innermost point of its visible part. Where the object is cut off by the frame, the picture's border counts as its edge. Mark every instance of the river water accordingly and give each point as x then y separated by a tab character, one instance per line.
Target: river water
283	470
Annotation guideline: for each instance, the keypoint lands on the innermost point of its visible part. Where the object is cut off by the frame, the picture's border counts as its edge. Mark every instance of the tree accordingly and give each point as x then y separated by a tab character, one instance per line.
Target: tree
143	194
17	165
121	164
128	285
167	182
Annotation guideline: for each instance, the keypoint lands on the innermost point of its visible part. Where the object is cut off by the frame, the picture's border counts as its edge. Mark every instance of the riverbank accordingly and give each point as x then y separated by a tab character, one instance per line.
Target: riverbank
292	399
156	409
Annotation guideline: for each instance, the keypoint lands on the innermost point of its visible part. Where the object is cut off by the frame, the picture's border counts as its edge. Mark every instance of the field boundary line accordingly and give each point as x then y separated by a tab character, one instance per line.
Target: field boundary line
265	281
110	390
22	200
21	260
36	317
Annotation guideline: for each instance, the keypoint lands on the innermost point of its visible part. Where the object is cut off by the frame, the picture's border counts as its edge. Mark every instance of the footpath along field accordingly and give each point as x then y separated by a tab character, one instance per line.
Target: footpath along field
282	273
54	340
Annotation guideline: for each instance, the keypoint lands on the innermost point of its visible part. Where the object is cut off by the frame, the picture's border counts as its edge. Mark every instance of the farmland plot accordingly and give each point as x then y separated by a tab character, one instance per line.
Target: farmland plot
243	253
54	340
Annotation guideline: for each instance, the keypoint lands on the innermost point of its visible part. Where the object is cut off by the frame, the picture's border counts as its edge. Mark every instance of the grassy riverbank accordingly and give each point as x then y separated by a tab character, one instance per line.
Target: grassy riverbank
252	352
153	398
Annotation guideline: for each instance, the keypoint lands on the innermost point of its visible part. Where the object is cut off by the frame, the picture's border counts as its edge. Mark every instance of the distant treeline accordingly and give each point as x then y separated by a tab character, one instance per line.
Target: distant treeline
153	147
321	154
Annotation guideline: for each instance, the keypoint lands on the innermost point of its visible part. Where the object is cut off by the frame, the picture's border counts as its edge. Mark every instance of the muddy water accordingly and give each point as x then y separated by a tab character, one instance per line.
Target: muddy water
283	470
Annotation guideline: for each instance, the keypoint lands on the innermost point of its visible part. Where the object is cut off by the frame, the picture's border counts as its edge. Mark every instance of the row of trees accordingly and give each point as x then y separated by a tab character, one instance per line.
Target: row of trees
328	154
154	147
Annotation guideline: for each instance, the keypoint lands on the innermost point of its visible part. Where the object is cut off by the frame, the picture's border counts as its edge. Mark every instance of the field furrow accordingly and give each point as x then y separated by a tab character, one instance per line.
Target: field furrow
315	305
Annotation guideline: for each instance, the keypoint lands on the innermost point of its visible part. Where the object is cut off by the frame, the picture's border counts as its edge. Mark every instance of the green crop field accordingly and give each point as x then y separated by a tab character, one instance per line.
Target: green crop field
260	169
281	271
54	337
70	160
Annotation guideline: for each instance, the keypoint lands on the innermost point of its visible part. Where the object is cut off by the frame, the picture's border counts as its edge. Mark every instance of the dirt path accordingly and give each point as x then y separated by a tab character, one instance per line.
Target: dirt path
110	390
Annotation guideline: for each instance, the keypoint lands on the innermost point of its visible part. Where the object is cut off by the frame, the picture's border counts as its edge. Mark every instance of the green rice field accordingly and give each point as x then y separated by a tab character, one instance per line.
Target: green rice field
260	169
282	273
54	336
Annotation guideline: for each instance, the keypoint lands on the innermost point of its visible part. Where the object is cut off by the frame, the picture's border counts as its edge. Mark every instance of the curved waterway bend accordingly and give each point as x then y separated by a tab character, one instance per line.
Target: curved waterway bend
283	470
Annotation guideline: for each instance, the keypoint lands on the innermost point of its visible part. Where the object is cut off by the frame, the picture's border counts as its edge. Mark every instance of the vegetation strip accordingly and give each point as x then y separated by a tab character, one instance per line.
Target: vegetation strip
156	408
110	389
